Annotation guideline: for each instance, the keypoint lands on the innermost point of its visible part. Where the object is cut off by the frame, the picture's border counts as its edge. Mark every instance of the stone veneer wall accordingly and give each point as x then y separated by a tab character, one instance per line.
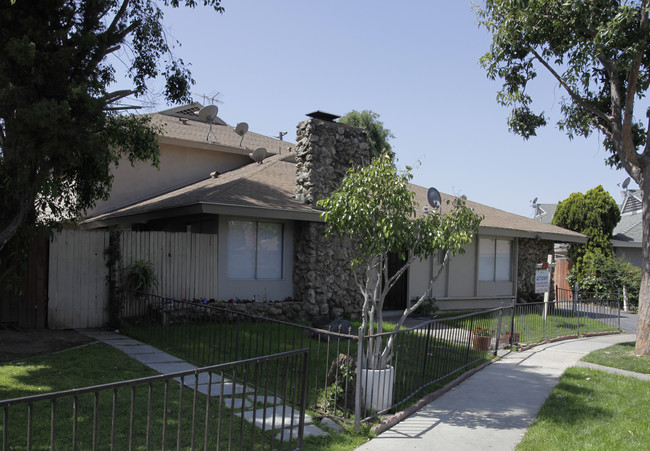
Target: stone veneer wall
323	280
530	253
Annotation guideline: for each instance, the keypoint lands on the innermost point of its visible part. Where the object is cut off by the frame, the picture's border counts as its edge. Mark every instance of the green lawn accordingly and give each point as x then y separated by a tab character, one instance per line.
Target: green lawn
593	410
620	356
100	364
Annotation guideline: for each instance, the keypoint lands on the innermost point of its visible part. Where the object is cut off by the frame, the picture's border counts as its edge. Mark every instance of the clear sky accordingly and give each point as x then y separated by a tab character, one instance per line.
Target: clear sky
415	64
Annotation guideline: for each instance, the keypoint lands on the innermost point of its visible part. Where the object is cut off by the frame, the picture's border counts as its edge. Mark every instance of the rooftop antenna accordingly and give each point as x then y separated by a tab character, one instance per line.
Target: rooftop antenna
434	199
208	114
241	129
258	155
280	135
213	99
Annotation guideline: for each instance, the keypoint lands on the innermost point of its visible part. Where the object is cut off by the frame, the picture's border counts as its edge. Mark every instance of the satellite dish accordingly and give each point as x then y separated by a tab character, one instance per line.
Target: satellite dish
208	113
434	199
258	155
241	128
626	183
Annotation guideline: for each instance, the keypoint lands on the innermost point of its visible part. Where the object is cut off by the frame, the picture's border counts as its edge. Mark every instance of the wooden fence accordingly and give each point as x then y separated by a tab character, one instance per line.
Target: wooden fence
185	265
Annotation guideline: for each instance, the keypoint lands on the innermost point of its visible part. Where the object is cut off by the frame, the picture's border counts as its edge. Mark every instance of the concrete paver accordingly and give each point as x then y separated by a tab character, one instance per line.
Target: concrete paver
493	408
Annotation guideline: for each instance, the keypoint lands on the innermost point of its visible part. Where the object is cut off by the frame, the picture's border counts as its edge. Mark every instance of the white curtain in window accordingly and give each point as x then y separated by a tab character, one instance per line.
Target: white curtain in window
241	249
269	250
502	261
486	259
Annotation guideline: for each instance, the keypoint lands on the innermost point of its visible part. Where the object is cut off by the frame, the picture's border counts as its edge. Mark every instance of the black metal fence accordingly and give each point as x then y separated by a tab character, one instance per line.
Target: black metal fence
422	355
226	406
571	313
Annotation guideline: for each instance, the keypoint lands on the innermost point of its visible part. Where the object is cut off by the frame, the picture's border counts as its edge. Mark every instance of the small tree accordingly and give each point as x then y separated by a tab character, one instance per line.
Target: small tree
375	207
594	214
378	136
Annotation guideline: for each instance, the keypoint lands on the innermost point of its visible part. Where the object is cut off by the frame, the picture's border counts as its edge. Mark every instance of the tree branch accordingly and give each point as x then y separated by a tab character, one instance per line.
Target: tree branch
574	95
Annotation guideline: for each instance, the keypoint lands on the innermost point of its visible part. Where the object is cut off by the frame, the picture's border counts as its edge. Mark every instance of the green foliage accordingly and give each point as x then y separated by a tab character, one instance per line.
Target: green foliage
605	275
376	209
594	214
140	276
59	123
375	206
378	136
428	306
593	48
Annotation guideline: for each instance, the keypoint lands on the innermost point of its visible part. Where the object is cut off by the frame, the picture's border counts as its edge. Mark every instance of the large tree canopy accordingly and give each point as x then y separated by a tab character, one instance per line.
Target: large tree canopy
60	127
598	52
378	136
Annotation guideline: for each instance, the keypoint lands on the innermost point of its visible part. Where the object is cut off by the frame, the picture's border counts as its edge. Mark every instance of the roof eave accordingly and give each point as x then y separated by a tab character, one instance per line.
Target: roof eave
205	145
204	208
556	237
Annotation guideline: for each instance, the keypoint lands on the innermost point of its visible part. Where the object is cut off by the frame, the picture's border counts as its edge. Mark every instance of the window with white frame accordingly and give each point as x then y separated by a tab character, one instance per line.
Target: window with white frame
254	250
494	260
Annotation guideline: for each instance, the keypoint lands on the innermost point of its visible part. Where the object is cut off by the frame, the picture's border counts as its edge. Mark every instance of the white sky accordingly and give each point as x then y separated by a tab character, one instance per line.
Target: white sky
414	63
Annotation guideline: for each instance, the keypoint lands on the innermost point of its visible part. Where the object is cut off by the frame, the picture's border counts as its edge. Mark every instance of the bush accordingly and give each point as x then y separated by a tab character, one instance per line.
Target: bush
140	276
604	274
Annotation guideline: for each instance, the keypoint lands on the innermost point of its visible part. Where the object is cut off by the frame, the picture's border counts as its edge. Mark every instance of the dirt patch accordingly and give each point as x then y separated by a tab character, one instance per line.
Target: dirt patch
17	343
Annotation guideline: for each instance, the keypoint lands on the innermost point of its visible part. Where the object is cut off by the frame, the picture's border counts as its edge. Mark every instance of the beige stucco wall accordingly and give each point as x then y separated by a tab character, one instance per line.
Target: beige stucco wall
458	287
179	166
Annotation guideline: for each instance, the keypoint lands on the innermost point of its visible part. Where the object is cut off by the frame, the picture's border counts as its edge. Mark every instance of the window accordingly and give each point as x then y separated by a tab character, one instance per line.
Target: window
494	260
254	250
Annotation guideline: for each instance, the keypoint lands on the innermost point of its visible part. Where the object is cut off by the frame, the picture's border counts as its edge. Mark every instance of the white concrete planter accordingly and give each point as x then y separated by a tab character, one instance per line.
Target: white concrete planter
377	386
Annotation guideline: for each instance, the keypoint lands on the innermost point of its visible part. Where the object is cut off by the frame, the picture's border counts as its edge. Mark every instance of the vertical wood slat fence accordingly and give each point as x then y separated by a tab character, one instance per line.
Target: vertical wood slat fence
185	265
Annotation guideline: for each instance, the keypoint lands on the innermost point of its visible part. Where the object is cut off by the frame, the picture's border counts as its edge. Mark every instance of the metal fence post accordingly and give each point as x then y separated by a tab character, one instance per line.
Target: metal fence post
496	346
357	393
618	306
512	319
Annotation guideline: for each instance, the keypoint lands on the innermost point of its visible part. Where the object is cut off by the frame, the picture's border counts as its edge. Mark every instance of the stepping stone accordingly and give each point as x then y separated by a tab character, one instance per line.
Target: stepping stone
267	416
136	349
269	400
204	379
156	357
171	367
236	403
310	431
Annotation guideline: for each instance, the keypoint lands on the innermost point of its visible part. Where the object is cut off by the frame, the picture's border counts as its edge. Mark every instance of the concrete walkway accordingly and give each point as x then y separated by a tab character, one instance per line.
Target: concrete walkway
493	408
165	363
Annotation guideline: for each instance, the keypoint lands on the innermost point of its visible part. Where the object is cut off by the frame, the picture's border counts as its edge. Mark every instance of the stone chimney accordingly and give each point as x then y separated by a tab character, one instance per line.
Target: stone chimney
322	278
325	151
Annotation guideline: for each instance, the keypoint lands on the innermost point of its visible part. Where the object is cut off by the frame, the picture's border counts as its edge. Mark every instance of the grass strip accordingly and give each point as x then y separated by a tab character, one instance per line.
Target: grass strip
620	356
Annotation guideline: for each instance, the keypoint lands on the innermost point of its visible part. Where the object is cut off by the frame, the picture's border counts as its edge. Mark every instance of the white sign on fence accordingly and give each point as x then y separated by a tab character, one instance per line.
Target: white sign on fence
542	281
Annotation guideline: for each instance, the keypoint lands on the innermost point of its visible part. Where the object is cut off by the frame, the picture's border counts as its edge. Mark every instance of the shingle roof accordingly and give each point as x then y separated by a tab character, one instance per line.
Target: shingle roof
270	186
178	126
629	228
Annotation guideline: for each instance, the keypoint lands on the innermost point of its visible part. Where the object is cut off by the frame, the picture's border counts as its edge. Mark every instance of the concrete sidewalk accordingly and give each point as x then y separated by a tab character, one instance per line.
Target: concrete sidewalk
493	408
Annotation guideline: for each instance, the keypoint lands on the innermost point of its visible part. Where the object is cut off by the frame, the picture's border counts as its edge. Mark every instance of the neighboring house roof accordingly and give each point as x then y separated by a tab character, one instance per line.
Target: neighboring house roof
182	126
267	190
632	203
629	231
545	212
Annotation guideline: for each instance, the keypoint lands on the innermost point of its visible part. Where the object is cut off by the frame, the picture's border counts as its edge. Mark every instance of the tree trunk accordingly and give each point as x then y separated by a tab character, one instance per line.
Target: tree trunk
643	320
